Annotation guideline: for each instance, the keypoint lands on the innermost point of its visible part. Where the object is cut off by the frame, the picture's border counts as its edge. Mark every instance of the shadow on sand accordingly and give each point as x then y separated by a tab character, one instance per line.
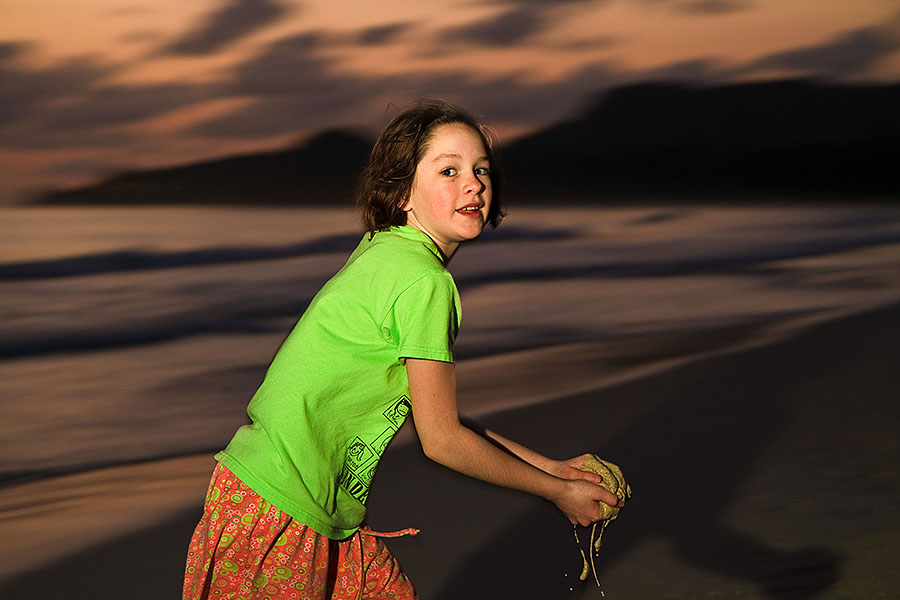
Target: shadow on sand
145	565
687	460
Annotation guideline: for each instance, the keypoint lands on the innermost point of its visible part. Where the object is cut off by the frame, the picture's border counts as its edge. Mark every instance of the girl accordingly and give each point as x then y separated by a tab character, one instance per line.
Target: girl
285	509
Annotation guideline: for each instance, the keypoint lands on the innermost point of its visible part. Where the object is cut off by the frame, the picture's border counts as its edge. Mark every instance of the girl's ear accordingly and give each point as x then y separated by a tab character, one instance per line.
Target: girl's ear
405	203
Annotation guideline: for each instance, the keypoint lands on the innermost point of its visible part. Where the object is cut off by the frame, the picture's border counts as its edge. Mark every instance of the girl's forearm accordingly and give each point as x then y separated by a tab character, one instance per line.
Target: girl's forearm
467	452
533	458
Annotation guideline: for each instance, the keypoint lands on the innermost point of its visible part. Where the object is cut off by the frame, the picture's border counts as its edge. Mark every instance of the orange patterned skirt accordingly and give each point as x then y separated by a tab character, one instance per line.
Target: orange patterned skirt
245	548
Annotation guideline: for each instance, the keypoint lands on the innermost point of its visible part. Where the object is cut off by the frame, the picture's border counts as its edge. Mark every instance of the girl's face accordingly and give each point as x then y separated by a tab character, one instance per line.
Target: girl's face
451	192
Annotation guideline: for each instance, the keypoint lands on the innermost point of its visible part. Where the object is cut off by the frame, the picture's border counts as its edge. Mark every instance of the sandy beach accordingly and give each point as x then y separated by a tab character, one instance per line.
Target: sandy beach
764	472
762	450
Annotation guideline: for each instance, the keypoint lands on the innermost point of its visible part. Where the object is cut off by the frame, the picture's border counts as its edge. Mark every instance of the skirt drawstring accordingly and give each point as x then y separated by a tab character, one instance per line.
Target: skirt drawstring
388	534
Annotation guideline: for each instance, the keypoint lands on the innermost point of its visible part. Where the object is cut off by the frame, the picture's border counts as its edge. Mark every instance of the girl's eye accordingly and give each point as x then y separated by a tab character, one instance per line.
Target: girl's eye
482	171
449	172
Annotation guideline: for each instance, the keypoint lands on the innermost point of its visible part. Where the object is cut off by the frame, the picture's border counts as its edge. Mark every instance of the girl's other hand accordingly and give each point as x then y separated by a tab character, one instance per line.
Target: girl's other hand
571	469
579	501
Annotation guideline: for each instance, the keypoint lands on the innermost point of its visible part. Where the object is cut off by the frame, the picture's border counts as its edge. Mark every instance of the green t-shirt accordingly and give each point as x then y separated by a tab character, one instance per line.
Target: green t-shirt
336	391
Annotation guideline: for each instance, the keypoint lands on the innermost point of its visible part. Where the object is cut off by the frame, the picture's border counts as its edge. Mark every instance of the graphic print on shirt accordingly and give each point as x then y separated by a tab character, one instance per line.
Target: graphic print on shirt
363	455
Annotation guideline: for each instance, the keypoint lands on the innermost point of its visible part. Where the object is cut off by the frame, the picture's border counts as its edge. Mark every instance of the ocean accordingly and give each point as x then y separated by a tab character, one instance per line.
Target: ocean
134	334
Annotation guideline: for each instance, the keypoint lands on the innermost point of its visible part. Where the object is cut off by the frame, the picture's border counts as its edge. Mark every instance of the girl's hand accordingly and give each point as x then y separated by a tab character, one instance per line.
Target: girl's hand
571	469
579	501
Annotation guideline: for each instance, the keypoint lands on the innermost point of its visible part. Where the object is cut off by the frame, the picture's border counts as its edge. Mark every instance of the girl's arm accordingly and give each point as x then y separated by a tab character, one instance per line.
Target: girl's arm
565	469
447	441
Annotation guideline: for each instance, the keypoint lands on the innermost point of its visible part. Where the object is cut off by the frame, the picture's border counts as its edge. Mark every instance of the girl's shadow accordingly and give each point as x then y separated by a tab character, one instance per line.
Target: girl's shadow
686	461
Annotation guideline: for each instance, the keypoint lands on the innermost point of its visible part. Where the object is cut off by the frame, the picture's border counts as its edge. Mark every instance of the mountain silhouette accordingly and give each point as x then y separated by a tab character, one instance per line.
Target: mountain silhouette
771	138
322	171
794	138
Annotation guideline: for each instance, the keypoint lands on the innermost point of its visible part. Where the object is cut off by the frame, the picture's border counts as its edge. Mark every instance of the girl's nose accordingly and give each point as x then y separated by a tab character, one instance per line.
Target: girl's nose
474	185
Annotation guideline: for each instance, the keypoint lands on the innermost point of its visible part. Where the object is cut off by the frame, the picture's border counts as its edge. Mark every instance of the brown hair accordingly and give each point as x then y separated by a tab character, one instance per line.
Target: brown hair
386	183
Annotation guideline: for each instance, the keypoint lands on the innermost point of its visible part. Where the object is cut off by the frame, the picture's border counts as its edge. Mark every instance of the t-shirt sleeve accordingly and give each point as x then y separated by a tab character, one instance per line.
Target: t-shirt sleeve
426	318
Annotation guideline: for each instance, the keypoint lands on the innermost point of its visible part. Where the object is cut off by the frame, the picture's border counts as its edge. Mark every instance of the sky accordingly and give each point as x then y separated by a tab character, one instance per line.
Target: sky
95	87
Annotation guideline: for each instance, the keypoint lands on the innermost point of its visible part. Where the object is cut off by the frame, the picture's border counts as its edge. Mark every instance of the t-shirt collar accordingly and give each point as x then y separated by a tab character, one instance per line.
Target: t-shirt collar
411	233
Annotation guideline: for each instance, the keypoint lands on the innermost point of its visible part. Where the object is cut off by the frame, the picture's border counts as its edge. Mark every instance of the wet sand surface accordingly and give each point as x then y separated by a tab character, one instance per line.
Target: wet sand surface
768	471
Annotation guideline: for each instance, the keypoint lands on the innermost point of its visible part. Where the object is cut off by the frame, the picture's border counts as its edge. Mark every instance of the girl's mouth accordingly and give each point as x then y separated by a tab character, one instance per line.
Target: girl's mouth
470	210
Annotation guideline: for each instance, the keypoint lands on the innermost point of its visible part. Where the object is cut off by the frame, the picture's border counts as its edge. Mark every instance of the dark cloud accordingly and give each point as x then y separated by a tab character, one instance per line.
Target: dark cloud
541	4
513	99
35	134
10	51
705	7
284	115
27	92
295	88
384	34
69	105
713	7
597	42
109	106
510	28
236	19
295	85
710	7
72	105
92	117
697	70
288	66
847	55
